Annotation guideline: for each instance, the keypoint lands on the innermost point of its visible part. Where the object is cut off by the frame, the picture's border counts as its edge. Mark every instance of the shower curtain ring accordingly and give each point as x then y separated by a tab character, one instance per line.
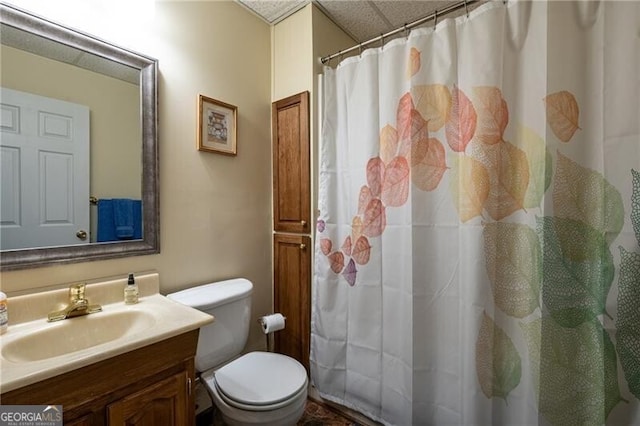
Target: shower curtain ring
360	49
466	8
381	40
435	21
406	31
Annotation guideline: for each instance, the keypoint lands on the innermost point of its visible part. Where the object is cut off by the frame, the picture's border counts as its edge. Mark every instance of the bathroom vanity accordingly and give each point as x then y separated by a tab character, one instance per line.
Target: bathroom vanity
149	386
129	364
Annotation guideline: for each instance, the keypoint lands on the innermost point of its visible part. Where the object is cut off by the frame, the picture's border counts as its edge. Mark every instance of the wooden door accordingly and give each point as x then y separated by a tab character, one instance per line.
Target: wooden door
291	176
164	403
292	295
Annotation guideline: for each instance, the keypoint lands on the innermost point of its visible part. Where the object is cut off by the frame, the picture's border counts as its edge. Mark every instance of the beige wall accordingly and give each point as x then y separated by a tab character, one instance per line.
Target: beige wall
215	210
116	156
299	42
292	49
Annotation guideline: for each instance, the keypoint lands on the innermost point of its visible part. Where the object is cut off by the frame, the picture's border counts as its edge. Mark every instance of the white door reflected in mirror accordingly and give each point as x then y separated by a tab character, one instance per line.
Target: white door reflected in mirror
44	157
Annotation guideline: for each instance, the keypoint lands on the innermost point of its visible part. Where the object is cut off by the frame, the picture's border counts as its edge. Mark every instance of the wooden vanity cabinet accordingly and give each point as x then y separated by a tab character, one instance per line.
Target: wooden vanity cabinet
150	386
161	404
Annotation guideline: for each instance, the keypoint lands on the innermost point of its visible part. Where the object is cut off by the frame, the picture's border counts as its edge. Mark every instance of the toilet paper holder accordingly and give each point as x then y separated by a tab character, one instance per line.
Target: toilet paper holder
266	324
263	319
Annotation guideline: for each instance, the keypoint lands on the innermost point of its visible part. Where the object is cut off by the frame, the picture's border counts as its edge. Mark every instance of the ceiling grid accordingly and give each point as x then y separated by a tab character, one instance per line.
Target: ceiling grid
360	19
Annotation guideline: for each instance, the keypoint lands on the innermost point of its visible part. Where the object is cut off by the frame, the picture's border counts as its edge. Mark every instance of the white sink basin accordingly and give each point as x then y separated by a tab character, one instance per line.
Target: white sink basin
33	349
74	334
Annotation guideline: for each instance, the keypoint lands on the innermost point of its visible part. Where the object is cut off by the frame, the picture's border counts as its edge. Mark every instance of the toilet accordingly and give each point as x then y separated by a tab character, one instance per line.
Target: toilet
257	388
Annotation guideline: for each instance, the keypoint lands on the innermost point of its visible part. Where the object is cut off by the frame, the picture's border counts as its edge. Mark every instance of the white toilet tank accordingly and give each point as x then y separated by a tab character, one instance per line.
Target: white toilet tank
230	303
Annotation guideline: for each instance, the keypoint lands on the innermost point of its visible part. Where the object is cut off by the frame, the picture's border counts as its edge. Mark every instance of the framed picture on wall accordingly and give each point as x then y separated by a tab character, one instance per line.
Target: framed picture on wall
217	126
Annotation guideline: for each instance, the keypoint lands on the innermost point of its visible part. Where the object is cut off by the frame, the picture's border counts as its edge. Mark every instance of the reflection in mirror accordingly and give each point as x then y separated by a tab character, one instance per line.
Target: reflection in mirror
78	146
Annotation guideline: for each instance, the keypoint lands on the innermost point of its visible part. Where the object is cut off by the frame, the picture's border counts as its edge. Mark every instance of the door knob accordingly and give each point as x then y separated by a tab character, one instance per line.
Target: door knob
82	234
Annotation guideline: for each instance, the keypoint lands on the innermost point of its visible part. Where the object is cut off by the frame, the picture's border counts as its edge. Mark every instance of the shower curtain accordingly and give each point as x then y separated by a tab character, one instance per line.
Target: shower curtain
477	256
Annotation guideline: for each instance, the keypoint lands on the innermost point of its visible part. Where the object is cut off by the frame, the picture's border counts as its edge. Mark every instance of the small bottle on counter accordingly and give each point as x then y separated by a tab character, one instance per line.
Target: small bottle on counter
131	291
4	315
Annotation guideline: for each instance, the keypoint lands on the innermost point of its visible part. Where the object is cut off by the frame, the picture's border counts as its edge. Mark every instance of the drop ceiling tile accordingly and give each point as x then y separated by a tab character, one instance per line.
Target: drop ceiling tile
273	11
360	19
400	12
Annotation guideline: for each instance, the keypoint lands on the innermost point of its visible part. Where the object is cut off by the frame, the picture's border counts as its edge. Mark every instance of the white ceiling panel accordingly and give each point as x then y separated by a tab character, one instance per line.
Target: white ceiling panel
361	19
273	11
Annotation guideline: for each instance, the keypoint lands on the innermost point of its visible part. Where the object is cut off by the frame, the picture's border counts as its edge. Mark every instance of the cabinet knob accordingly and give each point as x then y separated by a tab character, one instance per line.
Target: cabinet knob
303	246
303	223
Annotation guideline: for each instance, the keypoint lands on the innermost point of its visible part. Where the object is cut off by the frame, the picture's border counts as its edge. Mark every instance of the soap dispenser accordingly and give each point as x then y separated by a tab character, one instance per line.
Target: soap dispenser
131	291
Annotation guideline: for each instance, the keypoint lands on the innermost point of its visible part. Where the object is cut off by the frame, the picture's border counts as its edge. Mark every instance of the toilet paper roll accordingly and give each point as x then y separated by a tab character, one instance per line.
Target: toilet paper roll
271	323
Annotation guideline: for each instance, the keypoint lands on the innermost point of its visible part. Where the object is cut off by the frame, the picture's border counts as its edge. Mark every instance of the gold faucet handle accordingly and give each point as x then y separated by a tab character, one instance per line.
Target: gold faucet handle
76	292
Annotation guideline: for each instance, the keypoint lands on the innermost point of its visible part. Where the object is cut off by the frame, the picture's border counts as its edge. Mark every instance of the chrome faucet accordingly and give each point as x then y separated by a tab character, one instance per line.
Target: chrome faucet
78	305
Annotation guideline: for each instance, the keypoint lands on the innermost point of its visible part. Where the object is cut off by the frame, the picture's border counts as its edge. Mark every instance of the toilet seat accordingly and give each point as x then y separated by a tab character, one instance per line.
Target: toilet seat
259	381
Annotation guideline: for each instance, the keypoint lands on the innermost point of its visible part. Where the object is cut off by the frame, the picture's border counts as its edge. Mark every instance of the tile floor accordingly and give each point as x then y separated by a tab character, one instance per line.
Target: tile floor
319	415
315	414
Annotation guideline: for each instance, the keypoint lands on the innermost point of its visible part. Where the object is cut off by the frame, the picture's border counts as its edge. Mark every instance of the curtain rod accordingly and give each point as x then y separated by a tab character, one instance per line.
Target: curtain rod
405	27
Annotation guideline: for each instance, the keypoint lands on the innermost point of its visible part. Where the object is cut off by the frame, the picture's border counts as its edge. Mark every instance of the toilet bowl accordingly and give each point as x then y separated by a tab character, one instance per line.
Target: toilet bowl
257	388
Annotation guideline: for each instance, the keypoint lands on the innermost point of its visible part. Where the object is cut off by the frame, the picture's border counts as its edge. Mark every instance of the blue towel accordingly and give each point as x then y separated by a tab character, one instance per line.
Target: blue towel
123	218
119	219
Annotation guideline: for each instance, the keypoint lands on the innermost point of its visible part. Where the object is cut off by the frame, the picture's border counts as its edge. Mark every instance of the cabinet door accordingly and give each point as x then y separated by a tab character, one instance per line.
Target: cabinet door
292	270
82	421
291	176
164	403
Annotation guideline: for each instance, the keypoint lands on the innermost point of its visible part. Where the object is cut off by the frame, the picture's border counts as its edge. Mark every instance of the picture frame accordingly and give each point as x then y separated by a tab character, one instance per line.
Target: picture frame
217	126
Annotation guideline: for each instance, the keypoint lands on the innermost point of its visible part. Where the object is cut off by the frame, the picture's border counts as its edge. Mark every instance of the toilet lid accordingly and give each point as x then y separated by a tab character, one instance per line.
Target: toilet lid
261	378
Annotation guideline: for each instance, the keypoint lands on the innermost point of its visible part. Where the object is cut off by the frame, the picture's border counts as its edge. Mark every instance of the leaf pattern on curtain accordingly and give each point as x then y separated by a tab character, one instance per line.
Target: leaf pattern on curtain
540	165
508	176
585	195
575	370
375	219
513	262
469	186
337	261
357	227
577	270
628	320
498	364
412	126
388	143
493	114
562	114
433	102
564	265
427	163
549	284
346	246
362	251
325	245
375	174
635	204
395	184
413	64
350	272
461	125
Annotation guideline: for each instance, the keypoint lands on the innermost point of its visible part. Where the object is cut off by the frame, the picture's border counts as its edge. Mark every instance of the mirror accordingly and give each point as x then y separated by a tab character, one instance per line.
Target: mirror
23	33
